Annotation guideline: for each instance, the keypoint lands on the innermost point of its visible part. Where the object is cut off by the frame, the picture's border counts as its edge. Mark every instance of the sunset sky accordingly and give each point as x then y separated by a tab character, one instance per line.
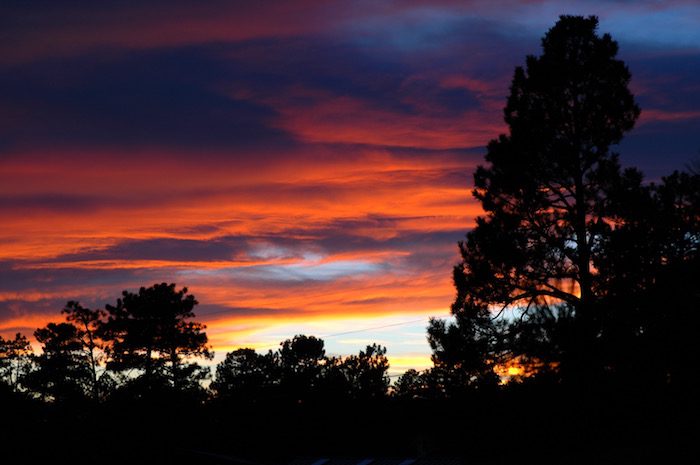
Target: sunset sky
301	166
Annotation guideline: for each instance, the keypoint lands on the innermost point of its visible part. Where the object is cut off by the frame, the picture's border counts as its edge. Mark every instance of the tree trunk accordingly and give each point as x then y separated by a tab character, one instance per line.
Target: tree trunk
584	308
174	364
93	363
149	364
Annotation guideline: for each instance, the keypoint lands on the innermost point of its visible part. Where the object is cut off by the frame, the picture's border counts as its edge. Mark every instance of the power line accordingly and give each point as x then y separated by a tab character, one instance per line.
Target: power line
373	328
355	331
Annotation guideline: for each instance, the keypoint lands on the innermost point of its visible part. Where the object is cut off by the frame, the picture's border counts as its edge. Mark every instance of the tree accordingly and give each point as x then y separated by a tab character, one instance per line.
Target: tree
246	376
300	371
14	360
61	372
650	270
545	194
410	385
88	324
365	374
459	349
302	360
440	382
151	332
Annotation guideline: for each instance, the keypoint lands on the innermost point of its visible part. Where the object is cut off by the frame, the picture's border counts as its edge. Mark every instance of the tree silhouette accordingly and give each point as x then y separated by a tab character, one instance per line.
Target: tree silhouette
409	385
246	376
463	353
364	375
14	360
300	372
151	332
651	309
302	361
62	370
545	196
88	323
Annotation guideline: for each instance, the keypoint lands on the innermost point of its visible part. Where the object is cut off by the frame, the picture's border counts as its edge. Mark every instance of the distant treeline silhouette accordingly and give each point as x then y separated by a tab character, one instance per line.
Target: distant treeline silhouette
574	337
147	344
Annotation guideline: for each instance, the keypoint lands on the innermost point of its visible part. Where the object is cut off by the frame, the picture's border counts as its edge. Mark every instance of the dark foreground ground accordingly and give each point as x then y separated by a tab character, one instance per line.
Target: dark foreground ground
515	427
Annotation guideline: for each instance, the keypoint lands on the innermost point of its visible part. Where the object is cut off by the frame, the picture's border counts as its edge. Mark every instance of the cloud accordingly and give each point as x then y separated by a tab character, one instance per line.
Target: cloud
44	28
79	27
165	98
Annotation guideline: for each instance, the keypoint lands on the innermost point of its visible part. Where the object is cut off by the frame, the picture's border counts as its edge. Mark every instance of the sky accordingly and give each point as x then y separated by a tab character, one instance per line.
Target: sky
303	167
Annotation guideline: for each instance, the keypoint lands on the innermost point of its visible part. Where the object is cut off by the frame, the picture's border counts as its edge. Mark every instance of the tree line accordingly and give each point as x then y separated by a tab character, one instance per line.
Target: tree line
148	343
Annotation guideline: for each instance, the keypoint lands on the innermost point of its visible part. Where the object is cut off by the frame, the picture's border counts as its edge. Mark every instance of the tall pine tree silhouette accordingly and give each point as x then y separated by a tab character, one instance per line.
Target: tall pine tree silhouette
545	193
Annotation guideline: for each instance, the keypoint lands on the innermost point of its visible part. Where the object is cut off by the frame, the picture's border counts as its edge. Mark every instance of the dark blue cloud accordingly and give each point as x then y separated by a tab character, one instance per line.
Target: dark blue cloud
659	148
184	97
669	84
158	98
670	80
55	202
166	249
16	277
342	67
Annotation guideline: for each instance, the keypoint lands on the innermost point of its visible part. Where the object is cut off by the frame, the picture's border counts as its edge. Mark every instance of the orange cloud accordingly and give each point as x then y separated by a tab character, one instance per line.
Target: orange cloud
342	237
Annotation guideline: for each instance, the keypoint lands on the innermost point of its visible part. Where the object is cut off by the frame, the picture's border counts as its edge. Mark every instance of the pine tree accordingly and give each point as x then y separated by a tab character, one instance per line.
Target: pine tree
545	194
